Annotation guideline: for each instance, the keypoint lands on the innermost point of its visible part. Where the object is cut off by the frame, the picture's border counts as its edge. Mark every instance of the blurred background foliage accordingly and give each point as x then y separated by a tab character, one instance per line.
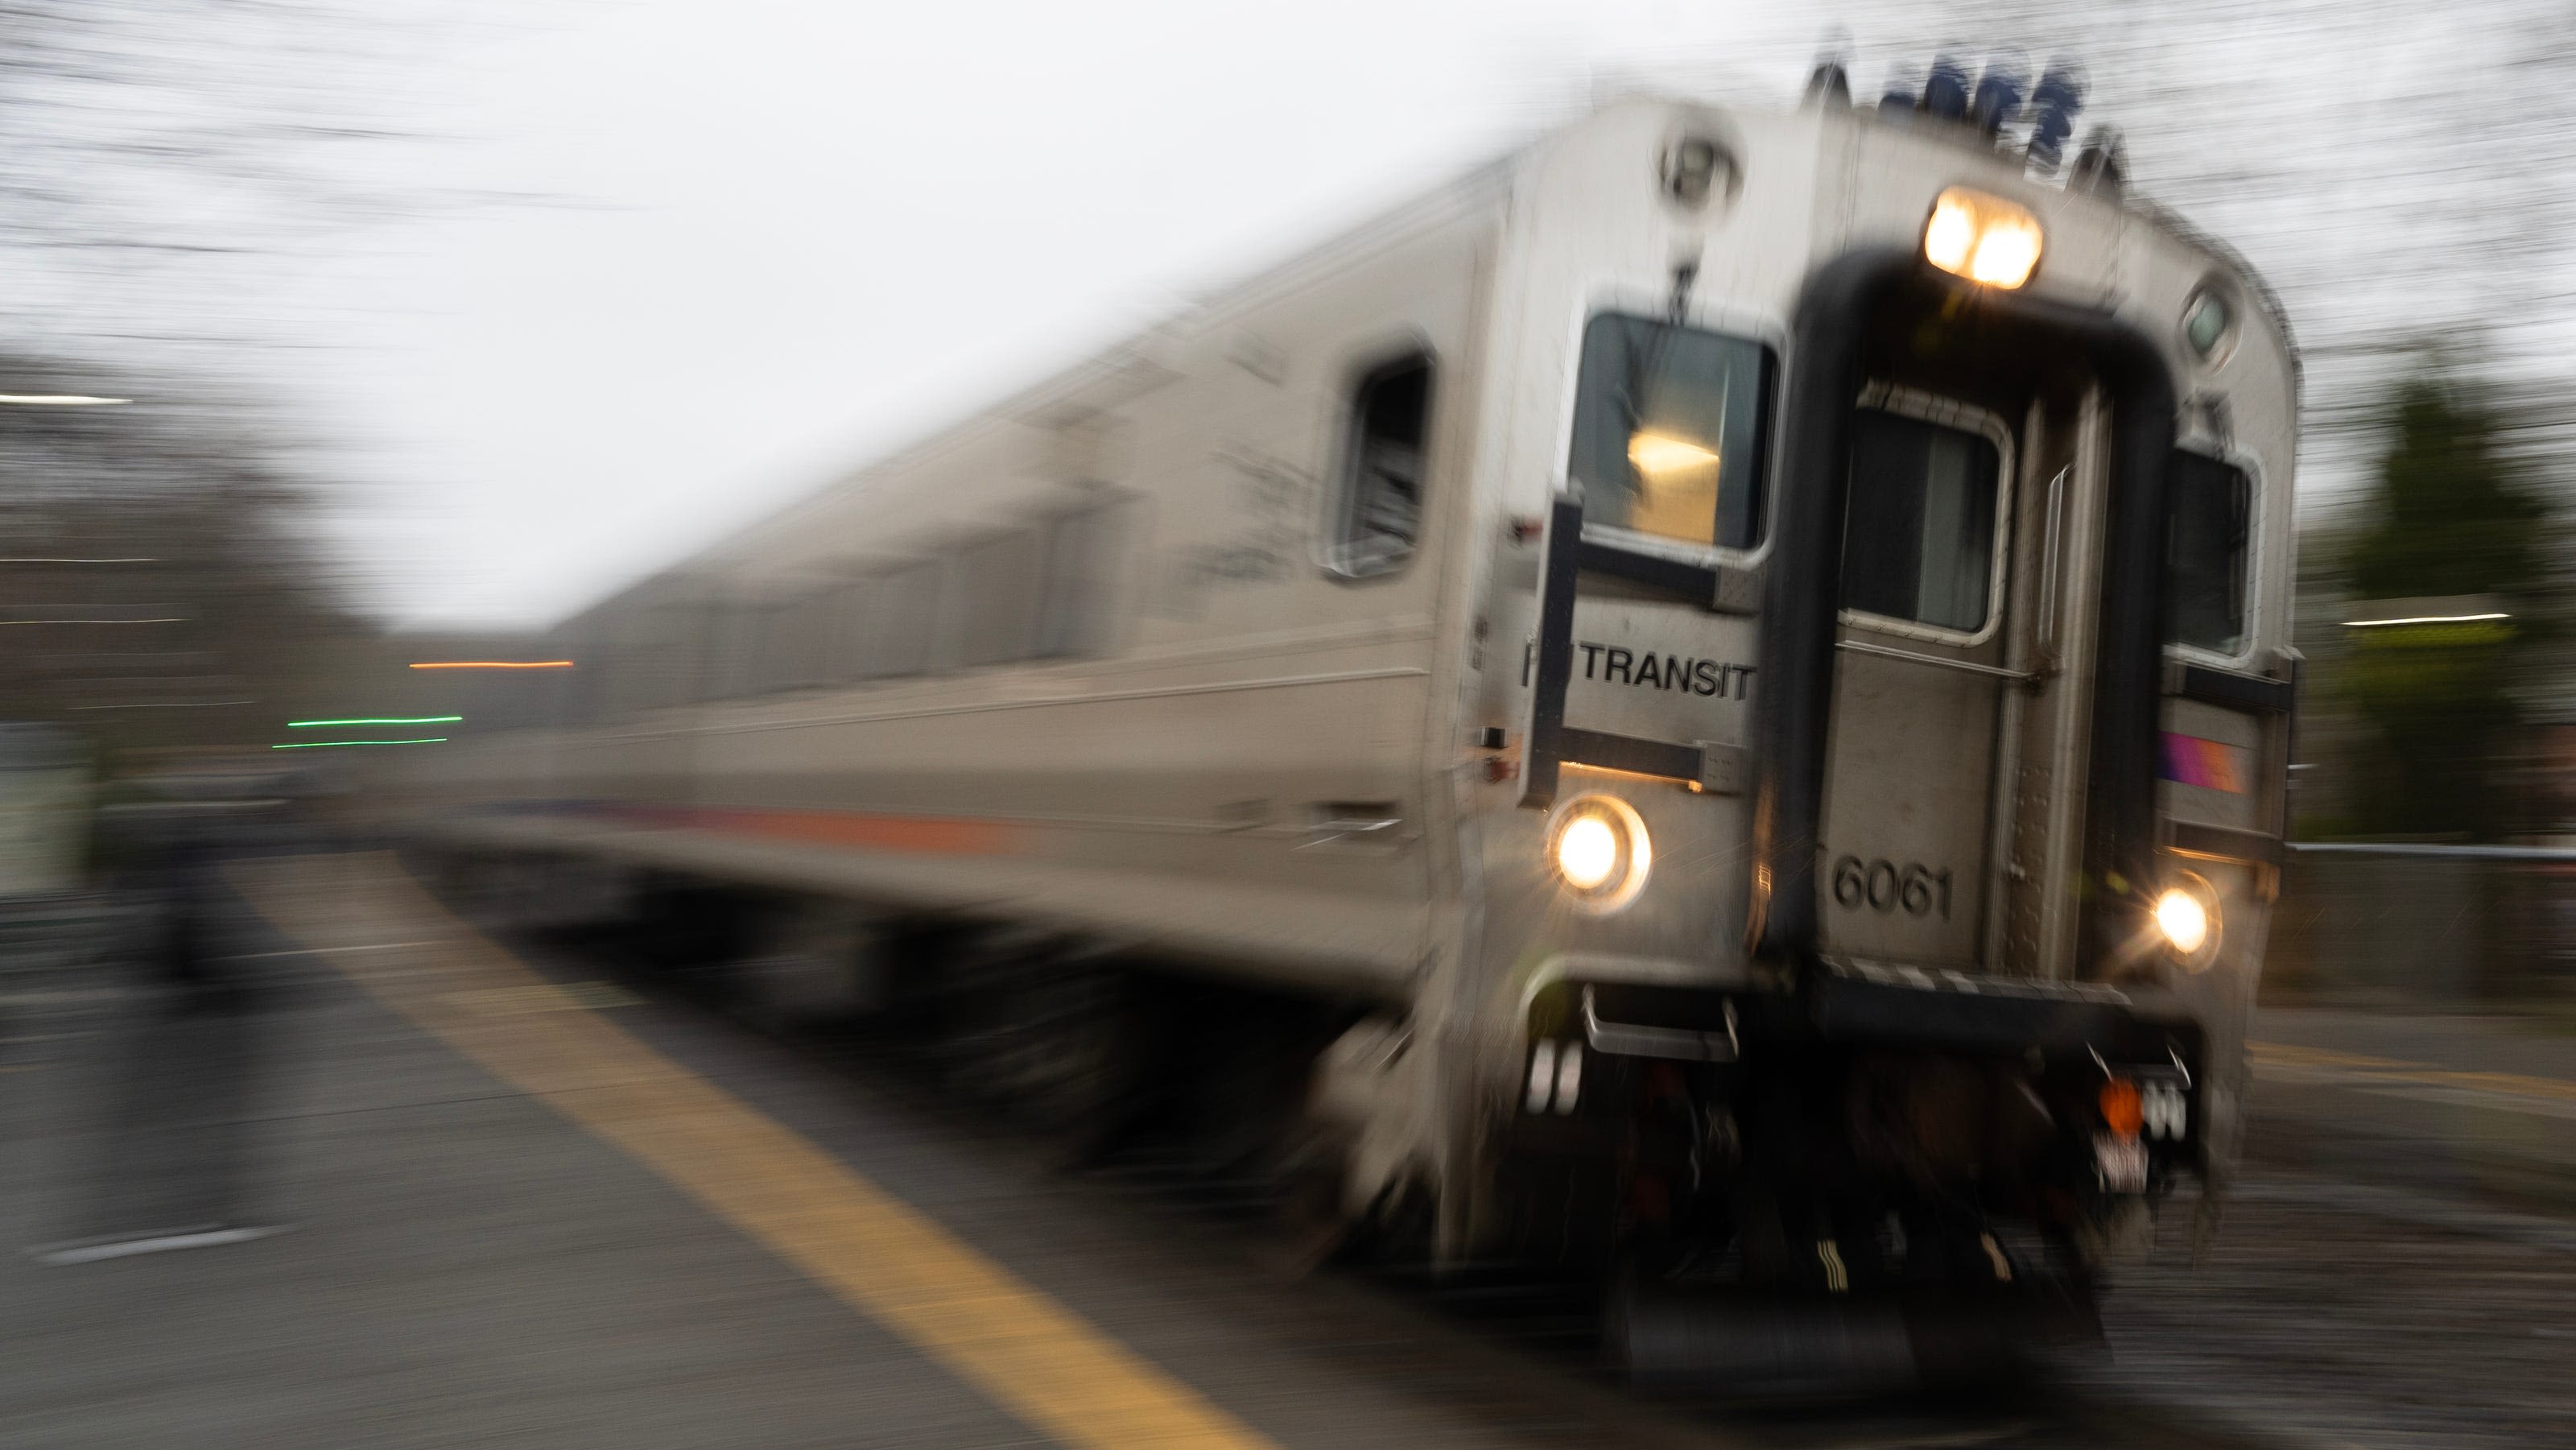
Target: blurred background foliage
2444	732
2453	513
161	583
167	581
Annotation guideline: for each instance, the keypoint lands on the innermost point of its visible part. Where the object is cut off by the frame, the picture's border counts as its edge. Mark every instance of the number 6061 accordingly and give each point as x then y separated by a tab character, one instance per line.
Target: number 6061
1886	886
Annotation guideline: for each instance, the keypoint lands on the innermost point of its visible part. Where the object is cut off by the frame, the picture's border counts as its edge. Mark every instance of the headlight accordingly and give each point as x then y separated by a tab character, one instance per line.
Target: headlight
1599	847
2187	918
1983	238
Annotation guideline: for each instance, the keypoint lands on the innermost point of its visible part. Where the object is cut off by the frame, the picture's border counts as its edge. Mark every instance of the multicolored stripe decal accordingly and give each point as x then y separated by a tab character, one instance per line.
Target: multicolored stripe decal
866	830
2208	764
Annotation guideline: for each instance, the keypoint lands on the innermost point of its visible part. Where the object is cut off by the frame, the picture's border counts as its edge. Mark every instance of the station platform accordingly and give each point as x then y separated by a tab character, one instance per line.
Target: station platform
521	1211
2478	1106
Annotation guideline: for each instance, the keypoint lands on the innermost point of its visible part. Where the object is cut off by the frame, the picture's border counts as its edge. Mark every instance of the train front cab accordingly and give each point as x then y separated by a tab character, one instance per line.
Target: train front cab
1975	1034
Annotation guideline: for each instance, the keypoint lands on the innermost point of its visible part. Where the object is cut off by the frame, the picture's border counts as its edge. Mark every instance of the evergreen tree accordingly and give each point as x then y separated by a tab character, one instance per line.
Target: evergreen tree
2451	515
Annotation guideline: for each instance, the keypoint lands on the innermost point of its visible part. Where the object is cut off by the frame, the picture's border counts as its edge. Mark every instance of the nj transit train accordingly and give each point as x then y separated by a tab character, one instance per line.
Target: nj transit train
1728	673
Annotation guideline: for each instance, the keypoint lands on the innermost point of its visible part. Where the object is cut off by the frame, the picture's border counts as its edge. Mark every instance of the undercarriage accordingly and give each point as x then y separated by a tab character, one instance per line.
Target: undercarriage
1862	1181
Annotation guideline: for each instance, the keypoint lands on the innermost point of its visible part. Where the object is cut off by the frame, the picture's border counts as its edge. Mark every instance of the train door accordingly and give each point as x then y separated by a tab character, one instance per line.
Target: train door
1921	677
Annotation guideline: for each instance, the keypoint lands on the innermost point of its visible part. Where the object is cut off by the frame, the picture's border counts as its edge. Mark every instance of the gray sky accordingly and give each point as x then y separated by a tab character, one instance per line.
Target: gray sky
689	261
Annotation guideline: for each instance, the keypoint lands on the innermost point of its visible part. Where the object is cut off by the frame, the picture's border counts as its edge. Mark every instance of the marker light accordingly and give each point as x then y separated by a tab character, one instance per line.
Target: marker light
1655	454
2205	320
1983	238
1601	852
2187	917
2123	1107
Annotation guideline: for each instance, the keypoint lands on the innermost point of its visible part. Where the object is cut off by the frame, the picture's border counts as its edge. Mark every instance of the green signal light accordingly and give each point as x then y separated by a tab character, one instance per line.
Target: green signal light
381	720
327	744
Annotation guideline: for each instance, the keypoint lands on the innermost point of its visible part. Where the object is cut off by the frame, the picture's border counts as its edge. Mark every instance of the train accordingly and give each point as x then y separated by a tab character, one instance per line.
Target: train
1707	704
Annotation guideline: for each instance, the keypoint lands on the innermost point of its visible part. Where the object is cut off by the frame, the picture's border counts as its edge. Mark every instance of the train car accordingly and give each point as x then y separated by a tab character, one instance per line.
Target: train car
1723	683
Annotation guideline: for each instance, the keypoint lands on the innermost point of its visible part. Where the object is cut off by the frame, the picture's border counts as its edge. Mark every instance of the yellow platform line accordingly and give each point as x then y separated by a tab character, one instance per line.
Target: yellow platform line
2389	1069
1026	1352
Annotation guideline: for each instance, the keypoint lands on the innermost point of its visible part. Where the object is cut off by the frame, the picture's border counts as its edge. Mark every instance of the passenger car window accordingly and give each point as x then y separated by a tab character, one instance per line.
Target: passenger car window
730	660
2209	512
1918	543
907	618
1083	549
998	594
1669	427
796	652
1377	513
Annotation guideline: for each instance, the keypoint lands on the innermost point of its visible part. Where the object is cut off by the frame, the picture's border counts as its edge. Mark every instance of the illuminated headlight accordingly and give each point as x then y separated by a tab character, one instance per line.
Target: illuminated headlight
1599	848
1985	239
2187	918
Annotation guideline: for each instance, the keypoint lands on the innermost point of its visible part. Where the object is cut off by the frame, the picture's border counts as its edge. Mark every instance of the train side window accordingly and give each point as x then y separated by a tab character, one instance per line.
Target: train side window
584	691
1669	427
1919	541
710	647
796	649
854	649
907	613
2209	515
744	625
998	585
1377	511
1083	553
669	638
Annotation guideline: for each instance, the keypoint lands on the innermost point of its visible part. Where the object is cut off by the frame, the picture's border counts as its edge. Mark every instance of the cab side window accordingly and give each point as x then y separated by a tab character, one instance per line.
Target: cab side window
1669	425
2209	514
1377	514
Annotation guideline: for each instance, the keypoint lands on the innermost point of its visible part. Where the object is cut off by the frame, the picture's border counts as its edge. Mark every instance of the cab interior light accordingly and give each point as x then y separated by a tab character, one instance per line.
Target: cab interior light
1986	239
1656	454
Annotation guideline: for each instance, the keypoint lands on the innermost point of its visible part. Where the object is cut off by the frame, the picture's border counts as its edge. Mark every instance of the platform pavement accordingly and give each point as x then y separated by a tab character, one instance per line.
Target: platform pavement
2475	1104
464	1264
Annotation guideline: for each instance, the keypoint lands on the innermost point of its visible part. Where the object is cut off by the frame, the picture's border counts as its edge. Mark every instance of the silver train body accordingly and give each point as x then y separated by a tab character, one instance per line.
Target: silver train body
1708	705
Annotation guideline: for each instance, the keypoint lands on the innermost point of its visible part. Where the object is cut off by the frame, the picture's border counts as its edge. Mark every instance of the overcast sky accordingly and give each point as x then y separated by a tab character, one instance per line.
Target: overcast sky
688	261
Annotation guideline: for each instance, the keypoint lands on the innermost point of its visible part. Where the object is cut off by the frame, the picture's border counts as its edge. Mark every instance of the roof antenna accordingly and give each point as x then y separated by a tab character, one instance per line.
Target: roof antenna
2102	167
2053	106
1830	82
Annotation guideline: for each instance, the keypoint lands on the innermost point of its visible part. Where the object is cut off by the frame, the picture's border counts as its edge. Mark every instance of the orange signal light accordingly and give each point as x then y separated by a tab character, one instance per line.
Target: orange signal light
492	665
2123	1111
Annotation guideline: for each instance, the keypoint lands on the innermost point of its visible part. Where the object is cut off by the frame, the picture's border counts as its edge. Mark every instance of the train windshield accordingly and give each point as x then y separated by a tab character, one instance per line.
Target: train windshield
1919	543
1669	429
2207	527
